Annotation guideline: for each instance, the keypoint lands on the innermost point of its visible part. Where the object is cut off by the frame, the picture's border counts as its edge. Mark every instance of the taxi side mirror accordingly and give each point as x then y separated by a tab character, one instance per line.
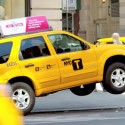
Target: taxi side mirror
85	46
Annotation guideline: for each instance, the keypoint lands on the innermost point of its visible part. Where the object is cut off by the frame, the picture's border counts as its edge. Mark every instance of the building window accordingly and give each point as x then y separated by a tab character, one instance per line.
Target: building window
2	2
69	26
115	8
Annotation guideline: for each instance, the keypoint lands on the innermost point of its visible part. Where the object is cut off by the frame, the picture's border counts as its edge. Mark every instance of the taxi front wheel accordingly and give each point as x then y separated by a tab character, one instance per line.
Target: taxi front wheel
114	80
23	96
83	90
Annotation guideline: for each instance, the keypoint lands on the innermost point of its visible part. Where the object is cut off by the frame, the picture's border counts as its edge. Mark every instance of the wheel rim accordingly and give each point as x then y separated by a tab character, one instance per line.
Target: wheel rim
21	98
118	78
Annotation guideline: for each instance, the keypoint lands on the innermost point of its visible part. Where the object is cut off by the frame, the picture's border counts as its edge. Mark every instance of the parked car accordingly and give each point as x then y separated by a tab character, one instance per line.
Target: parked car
109	40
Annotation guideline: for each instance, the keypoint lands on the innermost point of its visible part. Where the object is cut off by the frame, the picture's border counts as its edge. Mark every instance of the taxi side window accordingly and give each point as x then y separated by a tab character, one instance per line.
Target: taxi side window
5	50
33	47
64	43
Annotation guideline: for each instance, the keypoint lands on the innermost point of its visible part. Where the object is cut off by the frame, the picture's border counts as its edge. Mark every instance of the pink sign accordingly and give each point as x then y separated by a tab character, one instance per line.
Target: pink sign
23	25
37	23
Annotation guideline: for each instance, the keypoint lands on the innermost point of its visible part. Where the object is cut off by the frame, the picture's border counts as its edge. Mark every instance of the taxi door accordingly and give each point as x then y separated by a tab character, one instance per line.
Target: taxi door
37	62
76	62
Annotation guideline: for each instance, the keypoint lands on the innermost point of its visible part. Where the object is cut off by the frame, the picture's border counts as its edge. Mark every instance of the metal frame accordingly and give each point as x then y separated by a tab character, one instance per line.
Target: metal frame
27	8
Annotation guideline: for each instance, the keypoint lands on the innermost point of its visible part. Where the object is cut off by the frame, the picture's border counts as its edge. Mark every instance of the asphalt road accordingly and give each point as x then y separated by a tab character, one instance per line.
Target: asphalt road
77	118
65	100
65	108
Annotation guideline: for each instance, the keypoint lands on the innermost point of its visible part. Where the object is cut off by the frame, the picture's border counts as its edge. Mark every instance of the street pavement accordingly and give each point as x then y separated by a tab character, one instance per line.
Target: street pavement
67	101
77	118
65	108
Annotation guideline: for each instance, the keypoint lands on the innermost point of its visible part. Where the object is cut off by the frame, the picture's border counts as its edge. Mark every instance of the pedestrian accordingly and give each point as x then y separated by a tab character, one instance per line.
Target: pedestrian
115	37
9	114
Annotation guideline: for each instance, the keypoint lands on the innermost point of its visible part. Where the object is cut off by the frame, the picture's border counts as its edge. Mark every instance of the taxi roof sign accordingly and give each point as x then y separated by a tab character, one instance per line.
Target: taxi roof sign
24	25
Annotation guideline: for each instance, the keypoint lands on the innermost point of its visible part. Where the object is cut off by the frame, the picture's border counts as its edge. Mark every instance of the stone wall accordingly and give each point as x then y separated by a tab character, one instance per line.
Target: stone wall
122	18
52	9
96	21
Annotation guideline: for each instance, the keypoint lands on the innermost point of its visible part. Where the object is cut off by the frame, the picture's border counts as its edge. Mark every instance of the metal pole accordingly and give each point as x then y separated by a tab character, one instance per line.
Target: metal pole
67	16
72	22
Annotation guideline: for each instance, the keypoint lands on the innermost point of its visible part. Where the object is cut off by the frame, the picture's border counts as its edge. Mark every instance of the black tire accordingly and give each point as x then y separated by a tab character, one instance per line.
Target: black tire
111	77
24	88
83	90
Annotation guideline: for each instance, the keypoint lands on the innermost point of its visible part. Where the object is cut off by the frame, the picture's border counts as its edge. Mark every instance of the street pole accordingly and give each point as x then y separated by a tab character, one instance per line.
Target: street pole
67	16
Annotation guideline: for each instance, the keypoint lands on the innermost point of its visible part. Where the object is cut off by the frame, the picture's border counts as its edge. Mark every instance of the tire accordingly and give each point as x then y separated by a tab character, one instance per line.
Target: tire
22	92
114	78
83	90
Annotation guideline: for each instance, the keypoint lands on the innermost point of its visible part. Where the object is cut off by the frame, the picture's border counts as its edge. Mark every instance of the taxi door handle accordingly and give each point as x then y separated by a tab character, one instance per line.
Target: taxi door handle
29	65
64	59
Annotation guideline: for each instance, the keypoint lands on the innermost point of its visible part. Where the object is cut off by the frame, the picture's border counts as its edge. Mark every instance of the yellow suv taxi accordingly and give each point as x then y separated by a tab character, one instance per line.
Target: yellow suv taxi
38	64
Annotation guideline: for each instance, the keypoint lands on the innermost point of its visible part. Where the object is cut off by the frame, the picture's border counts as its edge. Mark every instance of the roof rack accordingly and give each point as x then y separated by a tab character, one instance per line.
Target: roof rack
25	25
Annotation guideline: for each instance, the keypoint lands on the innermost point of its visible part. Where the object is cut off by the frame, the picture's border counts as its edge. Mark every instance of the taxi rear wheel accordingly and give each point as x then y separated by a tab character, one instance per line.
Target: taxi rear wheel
83	90
23	97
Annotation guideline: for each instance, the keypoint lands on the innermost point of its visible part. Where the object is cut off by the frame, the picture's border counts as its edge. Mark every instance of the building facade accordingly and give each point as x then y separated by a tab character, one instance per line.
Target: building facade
90	19
100	18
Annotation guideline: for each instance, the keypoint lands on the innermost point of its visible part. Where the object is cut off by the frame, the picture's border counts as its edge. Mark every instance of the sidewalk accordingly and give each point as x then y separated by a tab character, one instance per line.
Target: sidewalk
66	101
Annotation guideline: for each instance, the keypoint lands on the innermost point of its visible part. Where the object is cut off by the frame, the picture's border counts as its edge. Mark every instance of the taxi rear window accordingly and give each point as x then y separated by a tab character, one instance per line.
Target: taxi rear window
5	49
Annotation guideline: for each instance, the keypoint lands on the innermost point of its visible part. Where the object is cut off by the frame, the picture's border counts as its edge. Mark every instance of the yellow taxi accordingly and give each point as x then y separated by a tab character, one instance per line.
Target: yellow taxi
109	40
40	63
